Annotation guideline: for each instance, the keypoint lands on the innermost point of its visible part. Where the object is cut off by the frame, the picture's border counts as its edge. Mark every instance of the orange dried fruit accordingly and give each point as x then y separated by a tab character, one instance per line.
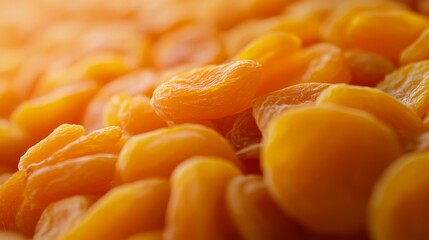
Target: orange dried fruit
124	211
152	235
398	208
274	52
416	51
254	212
61	216
40	116
306	173
402	120
208	92
11	197
367	68
105	140
72	177
268	107
197	208
145	155
13	143
386	32
244	132
59	138
409	85
140	82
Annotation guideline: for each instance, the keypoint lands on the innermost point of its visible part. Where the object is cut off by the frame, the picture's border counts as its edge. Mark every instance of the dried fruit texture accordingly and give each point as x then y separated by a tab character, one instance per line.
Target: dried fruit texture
249	159
9	235
306	27
125	211
9	99
334	29
197	208
105	140
332	197
416	51
111	109
209	92
366	68
72	177
152	235
322	62
11	197
386	32
274	52
196	44
61	216
398	207
59	138
402	120
255	214
145	155
244	132
141	82
40	116
409	85
13	143
268	107
27	217
134	115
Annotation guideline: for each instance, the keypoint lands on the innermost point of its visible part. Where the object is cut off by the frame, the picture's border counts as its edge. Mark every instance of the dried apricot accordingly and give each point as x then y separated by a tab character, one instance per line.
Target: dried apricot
61	216
208	92
398	207
145	155
254	212
416	51
268	107
124	211
325	183
409	85
197	208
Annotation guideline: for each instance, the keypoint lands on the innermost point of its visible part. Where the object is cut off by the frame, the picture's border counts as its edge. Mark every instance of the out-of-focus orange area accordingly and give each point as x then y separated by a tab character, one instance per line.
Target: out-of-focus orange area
214	119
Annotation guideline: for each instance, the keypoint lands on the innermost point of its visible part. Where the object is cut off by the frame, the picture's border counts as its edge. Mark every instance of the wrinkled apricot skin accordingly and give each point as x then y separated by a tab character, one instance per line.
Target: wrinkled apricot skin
124	211
244	132
59	138
269	106
410	85
144	156
11	197
62	215
197	209
72	177
332	198
398	208
254	212
208	92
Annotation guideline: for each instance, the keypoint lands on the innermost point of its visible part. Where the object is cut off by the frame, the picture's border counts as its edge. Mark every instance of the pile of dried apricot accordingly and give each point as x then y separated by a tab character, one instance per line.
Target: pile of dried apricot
214	119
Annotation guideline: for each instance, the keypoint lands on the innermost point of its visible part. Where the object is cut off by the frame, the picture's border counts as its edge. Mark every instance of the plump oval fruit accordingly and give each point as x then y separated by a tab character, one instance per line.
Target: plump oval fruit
11	197
91	175
59	138
321	162
417	51
410	85
124	211
157	153
402	120
61	216
254	212
398	207
197	208
209	92
274	52
269	106
386	32
64	105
